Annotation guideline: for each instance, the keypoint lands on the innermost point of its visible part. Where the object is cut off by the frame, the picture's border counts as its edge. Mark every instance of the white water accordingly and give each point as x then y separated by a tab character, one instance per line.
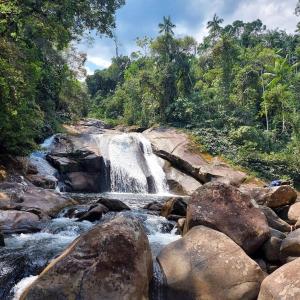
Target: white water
38	160
133	166
22	285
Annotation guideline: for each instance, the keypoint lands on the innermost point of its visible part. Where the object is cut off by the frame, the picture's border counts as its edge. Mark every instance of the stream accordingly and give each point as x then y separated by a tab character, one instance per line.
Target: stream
26	255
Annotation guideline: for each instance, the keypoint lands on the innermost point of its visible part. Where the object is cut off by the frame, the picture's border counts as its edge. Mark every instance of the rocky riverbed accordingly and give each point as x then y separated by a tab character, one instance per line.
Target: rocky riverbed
127	213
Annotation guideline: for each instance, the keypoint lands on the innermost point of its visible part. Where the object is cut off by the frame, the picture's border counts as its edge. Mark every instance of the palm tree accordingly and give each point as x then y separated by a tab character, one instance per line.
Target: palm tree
278	80
166	26
214	25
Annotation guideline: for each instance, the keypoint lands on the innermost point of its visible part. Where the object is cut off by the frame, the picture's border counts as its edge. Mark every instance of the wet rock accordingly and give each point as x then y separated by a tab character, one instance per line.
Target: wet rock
284	283
206	264
274	196
176	147
2	243
274	221
13	221
79	162
94	213
43	181
113	204
74	212
291	244
154	206
111	261
174	206
13	267
82	182
225	208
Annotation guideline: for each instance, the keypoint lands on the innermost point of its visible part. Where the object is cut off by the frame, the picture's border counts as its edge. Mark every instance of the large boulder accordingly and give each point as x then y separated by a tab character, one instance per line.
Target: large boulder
111	261
291	244
282	284
177	148
293	213
79	162
274	221
206	264
13	221
82	182
224	208
274	196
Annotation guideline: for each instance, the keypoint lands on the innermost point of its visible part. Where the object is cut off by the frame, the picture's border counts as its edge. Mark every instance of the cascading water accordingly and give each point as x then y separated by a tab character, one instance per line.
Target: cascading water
38	159
132	165
135	177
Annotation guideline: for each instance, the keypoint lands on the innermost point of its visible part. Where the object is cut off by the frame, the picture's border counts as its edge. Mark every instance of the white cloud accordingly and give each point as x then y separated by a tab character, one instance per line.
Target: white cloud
273	13
198	31
101	62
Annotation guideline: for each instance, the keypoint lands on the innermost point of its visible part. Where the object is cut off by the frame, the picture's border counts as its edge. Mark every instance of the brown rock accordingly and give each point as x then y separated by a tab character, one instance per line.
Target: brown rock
291	244
43	181
282	284
274	221
275	196
83	182
294	212
13	221
206	264
225	208
19	197
179	182
111	261
174	206
154	206
113	204
95	213
271	248
180	224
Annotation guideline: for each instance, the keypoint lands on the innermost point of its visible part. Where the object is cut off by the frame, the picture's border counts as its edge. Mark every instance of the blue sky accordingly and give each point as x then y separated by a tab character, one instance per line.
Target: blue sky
141	17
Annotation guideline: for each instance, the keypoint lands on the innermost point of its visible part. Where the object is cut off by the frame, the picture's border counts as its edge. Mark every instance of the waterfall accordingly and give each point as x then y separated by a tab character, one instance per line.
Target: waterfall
132	165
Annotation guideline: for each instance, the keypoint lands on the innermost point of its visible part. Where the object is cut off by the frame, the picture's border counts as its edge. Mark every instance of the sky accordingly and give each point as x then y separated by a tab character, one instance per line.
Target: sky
140	18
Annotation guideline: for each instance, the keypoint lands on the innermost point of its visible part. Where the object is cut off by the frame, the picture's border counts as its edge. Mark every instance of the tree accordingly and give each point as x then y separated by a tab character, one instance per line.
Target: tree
214	26
167	26
35	76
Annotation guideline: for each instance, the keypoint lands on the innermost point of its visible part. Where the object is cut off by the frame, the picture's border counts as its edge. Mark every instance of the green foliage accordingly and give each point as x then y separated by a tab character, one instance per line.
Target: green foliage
238	92
39	85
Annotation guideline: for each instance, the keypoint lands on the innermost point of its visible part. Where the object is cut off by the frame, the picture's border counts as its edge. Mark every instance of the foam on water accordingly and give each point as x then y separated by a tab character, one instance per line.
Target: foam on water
22	285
